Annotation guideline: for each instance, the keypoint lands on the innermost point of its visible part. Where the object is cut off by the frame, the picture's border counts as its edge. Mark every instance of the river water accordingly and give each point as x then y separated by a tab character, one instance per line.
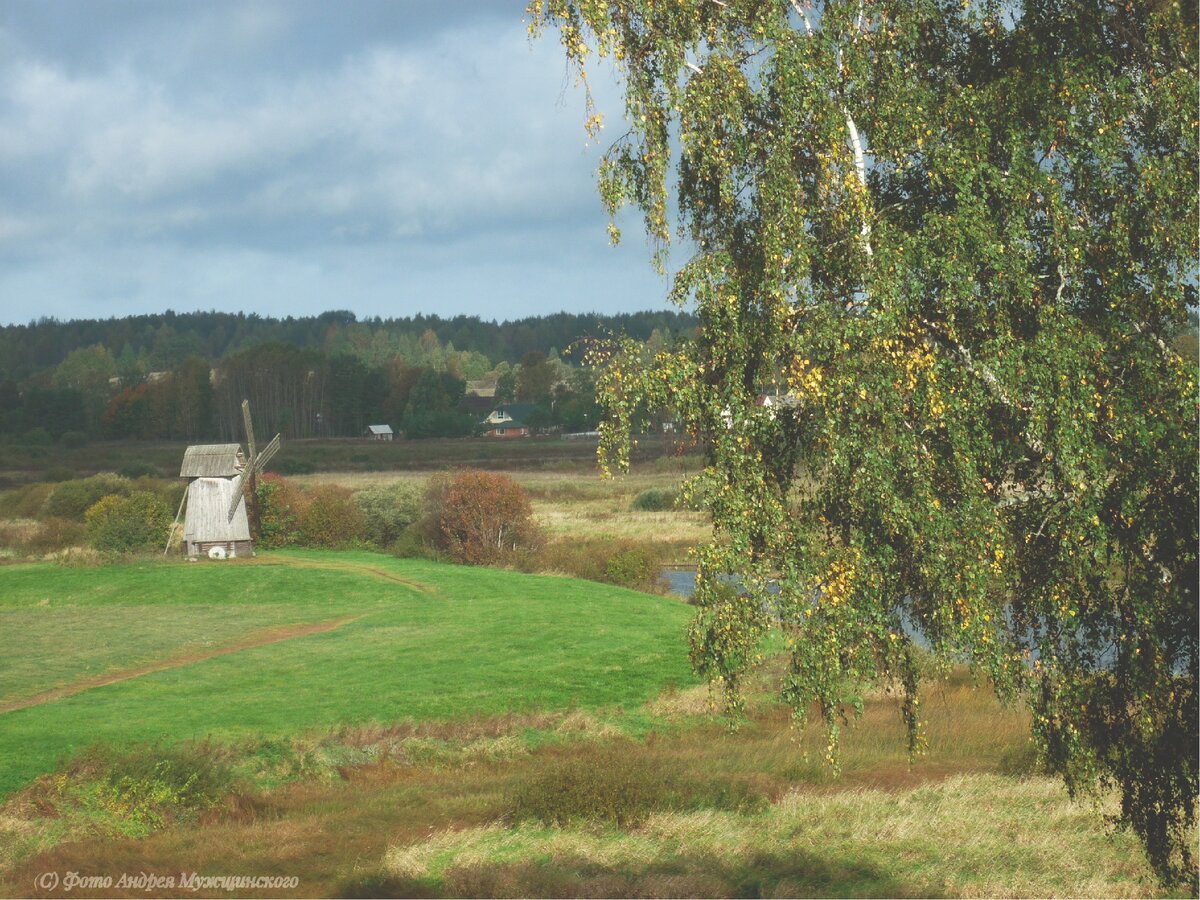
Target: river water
681	579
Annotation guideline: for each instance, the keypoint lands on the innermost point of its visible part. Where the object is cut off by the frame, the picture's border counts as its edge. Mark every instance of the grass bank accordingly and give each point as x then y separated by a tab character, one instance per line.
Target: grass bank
288	642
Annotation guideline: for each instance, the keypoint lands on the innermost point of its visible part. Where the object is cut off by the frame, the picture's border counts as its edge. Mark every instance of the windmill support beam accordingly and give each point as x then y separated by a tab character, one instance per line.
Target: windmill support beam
175	524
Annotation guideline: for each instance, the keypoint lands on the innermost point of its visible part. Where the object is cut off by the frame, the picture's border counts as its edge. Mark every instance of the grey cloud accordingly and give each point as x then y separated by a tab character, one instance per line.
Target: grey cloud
257	138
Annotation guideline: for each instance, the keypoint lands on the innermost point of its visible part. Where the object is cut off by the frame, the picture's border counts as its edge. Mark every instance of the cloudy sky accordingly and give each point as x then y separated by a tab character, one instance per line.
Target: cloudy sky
291	157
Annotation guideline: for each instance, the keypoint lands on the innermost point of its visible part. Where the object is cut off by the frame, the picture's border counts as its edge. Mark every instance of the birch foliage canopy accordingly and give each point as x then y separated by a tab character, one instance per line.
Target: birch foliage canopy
952	240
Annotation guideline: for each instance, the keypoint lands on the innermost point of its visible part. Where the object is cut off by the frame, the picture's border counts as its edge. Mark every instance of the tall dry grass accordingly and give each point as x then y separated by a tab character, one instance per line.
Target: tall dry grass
966	836
465	809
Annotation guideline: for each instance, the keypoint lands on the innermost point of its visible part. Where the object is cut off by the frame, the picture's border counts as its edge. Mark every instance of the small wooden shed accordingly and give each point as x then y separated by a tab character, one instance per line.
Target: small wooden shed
213	471
379	432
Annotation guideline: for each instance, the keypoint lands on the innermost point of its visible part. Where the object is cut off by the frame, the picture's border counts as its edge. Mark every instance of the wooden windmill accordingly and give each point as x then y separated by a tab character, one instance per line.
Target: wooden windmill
216	522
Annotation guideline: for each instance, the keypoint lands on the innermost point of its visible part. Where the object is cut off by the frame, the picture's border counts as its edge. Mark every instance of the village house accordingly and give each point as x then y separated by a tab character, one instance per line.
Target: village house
508	420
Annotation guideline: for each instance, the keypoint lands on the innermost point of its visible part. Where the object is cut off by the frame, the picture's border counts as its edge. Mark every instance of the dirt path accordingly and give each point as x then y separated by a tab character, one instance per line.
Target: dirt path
272	635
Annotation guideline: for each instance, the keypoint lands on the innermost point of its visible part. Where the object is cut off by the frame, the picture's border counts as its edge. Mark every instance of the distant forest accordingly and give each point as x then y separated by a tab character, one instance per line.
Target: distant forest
183	375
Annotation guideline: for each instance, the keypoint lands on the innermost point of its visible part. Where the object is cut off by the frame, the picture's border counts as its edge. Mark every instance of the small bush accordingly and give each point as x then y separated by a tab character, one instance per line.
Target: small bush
577	558
655	500
134	791
482	517
666	499
56	474
281	505
118	524
411	544
638	568
73	440
388	511
71	499
620	785
331	519
623	563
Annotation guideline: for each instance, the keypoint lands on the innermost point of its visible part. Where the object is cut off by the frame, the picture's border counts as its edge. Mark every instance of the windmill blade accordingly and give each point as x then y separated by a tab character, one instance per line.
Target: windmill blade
249	433
237	493
267	452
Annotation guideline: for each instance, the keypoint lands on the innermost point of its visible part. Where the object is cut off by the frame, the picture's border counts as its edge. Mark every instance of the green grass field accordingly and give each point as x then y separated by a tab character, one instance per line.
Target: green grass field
220	650
409	728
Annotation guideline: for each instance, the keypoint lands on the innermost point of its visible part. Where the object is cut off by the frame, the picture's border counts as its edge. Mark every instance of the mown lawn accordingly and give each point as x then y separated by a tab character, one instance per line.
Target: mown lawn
407	640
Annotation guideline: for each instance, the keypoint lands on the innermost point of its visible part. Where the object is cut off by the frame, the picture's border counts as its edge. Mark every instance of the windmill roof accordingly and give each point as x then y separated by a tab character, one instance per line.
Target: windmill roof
211	460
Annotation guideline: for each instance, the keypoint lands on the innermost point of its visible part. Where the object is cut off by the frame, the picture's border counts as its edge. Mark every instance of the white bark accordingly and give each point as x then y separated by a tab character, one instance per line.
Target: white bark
990	380
855	139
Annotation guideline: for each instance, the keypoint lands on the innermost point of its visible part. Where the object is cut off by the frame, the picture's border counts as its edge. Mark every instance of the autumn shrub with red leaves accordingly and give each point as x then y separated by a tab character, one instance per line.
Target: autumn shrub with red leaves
481	518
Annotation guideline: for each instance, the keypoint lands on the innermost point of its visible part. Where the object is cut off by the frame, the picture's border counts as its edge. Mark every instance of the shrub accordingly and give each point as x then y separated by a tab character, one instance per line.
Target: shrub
577	558
71	499
56	474
655	500
411	544
137	790
73	440
664	499
281	505
623	563
483	517
123	524
638	568
429	526
331	518
389	510
620	785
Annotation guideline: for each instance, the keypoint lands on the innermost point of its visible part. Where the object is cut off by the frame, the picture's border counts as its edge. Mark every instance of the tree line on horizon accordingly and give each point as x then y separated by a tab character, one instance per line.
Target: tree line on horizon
183	376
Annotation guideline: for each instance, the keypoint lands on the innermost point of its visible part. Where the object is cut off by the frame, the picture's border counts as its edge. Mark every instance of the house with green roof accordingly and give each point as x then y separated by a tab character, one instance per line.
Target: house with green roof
508	420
